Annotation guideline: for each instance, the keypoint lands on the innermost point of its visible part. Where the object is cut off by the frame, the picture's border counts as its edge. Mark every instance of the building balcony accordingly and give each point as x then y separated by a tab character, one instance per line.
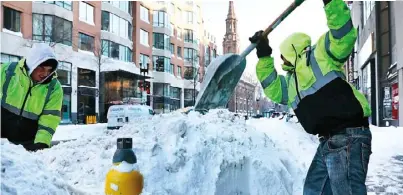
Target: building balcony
162	29
194	45
52	9
117	11
165	77
162	52
117	39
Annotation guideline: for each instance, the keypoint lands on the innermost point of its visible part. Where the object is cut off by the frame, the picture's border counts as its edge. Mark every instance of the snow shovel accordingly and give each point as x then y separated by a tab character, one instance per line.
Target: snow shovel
224	72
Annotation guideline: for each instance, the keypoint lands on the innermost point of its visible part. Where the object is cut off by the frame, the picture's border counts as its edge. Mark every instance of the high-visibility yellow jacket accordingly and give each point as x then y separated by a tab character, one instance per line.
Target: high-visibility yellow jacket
315	86
30	112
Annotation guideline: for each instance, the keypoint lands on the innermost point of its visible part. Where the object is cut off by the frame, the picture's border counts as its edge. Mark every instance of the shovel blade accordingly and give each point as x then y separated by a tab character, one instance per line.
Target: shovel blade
222	76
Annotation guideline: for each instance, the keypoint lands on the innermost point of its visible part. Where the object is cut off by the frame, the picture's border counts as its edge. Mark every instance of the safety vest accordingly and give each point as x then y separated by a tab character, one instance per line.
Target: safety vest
40	103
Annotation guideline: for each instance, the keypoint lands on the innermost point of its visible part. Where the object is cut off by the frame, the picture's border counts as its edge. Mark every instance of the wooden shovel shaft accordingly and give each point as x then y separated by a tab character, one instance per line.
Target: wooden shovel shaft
283	16
272	26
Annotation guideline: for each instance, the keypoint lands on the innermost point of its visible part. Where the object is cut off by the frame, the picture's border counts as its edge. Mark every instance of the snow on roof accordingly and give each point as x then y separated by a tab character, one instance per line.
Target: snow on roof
116	65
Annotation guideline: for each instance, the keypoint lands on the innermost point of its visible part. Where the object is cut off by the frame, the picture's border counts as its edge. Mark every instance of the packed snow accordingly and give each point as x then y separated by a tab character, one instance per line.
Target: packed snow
216	153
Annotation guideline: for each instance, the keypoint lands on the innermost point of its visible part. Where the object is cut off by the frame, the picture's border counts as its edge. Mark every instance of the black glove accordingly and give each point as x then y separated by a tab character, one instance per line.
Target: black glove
263	48
326	1
35	147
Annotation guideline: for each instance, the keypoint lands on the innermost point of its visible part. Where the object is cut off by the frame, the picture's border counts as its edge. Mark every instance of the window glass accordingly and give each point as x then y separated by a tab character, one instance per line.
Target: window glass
105	21
144	37
144	14
86	12
5	58
12	20
86	42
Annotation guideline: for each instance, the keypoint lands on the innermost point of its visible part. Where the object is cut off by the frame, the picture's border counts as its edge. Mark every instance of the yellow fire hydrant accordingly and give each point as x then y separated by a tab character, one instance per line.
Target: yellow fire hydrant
124	178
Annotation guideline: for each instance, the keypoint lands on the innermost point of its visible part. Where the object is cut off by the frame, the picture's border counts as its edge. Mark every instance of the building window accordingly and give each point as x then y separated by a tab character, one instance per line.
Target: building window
171	70
144	60
86	77
5	58
144	14
114	24
86	13
171	29
189	36
179	71
161	41
86	42
12	20
144	37
179	52
178	15
171	48
63	4
189	17
64	73
179	33
190	54
116	51
160	19
105	21
161	63
214	53
126	6
51	29
367	6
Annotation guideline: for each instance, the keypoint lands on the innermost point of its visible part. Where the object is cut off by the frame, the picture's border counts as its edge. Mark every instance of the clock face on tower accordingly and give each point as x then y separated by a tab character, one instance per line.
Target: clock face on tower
229	36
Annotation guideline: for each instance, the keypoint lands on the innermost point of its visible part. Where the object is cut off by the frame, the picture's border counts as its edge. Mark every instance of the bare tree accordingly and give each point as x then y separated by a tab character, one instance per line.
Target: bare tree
193	74
52	30
101	52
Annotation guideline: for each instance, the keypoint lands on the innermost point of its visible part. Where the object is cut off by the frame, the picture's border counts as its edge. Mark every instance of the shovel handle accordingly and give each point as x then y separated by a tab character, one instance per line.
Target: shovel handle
284	15
276	22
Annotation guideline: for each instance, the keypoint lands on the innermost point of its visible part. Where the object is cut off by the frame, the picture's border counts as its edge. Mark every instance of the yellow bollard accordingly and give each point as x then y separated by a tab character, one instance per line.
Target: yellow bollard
124	178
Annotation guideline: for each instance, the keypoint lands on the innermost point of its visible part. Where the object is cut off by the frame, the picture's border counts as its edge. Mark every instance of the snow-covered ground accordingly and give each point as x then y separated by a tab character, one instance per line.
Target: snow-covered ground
191	154
68	132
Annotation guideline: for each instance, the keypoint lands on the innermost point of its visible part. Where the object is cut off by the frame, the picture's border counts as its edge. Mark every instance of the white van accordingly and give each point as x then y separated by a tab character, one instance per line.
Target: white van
118	115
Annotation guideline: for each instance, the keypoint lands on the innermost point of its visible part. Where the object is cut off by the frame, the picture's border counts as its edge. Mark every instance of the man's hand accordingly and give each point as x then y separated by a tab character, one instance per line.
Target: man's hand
35	147
263	48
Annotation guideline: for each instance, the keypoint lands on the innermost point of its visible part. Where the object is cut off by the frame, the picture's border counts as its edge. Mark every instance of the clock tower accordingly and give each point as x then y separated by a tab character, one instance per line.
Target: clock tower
231	40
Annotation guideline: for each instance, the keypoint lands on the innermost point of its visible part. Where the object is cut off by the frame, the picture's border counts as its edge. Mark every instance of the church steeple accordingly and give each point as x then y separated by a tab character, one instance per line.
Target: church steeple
231	39
231	12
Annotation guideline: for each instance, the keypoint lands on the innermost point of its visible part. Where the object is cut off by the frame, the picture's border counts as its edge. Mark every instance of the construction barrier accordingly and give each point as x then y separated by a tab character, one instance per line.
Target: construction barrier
91	119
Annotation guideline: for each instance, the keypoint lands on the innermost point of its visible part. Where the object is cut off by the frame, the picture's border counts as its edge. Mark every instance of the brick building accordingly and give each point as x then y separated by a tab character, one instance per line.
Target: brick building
104	45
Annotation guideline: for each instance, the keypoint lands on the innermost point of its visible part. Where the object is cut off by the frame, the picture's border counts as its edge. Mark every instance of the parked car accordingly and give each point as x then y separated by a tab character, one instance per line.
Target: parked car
118	115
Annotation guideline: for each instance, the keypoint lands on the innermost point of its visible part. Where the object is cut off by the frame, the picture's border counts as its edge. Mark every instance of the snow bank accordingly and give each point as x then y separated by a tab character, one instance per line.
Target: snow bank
214	153
385	170
68	132
24	173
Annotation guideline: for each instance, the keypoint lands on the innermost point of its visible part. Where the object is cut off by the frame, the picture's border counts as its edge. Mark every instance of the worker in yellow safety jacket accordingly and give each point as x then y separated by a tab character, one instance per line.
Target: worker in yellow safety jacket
31	99
323	101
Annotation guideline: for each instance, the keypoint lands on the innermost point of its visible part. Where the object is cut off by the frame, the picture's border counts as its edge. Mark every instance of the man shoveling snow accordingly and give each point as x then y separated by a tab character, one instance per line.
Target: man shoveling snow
324	103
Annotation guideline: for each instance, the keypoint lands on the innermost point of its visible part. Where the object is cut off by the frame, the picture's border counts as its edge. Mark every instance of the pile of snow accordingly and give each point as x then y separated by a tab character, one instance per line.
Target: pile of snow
69	132
215	153
25	173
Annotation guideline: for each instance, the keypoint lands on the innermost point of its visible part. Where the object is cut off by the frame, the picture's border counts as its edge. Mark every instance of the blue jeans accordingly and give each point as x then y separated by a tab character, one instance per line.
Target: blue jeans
340	164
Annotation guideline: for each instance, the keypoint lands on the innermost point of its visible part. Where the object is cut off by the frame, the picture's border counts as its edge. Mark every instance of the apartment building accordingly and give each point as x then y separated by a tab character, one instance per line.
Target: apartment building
375	66
113	52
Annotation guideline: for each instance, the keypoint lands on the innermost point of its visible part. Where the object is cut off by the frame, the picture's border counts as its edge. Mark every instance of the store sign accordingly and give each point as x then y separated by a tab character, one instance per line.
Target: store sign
395	101
387	104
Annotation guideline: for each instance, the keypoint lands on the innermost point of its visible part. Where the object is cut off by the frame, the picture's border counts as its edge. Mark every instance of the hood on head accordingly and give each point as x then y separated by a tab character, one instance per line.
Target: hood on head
40	53
299	41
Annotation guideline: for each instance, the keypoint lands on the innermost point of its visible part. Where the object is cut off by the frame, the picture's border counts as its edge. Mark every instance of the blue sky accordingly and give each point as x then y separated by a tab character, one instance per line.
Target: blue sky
254	15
